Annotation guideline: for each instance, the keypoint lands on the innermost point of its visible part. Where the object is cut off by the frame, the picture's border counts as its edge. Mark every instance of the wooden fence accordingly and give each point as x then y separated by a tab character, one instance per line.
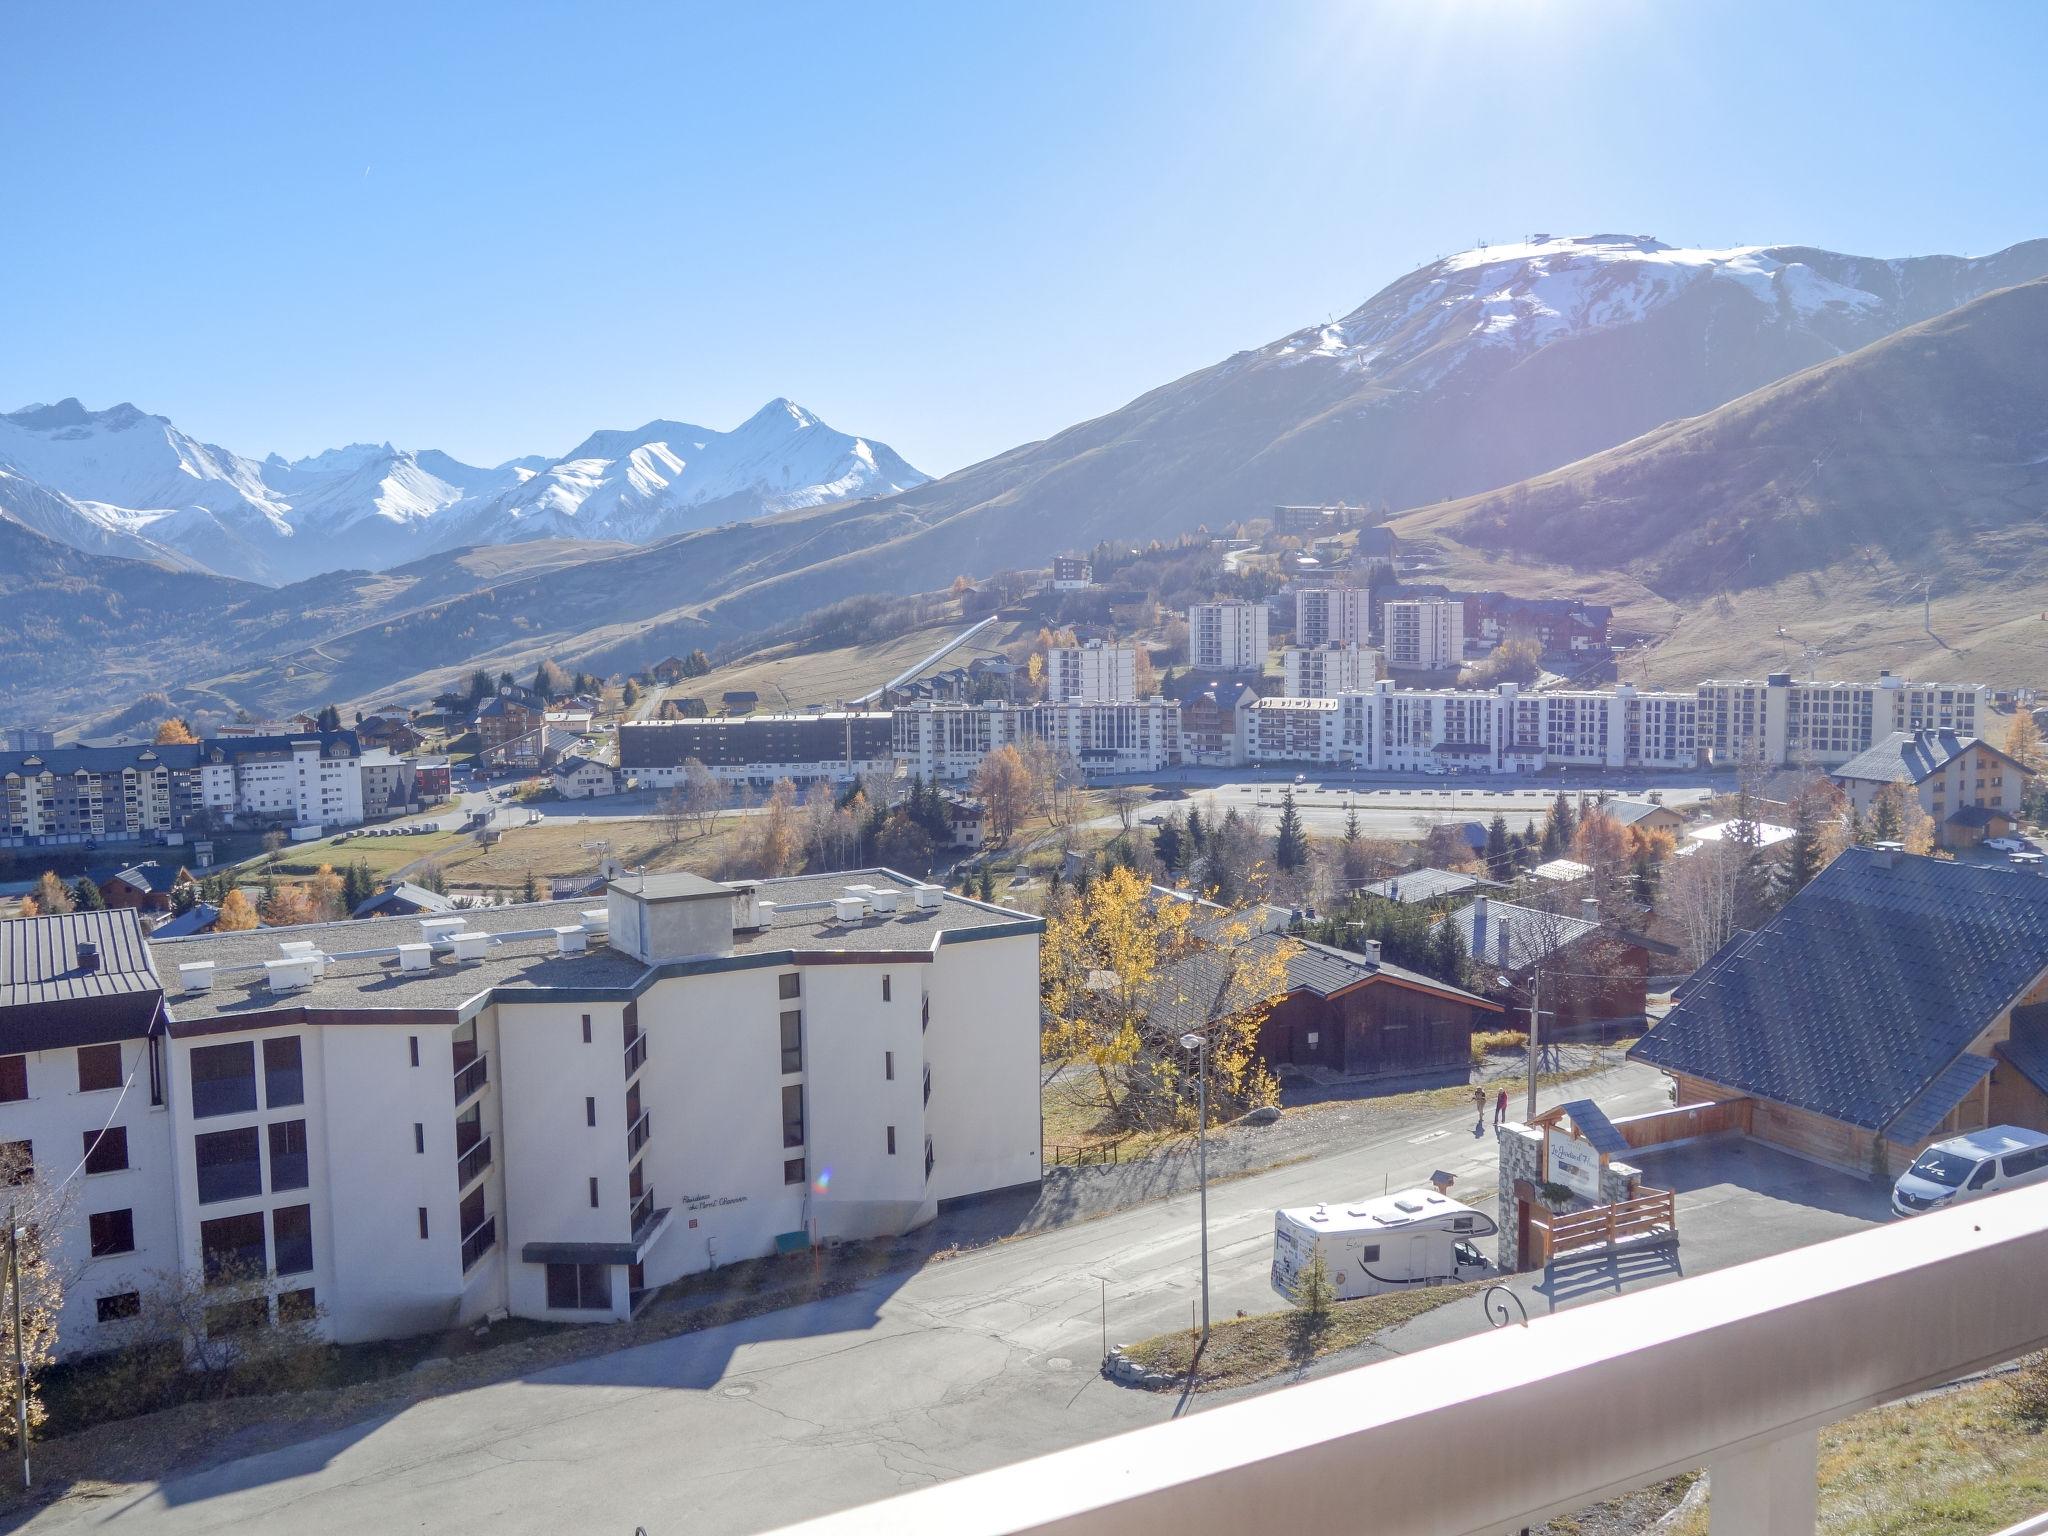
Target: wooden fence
1605	1225
1687	1121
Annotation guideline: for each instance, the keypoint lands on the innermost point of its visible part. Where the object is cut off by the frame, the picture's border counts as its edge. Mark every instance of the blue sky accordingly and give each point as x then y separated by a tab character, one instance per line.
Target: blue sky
491	228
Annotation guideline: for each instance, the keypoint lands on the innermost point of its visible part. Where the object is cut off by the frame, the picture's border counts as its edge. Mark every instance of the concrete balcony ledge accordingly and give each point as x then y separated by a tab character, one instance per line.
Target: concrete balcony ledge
1736	1371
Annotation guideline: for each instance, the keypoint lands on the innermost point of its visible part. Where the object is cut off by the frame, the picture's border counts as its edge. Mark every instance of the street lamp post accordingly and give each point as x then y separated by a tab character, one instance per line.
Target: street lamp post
1535	1023
1199	1044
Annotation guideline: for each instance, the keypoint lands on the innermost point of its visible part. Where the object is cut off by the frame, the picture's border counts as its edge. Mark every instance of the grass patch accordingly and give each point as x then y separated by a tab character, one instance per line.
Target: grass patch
564	848
385	856
1071	1118
1243	1350
1486	1041
1957	1463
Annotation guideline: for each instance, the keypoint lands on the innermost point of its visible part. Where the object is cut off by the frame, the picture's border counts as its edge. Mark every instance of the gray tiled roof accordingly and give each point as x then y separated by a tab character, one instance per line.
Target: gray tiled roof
1629	812
1863	989
1593	1124
1532	933
1419	885
1906	757
62	760
1931	1105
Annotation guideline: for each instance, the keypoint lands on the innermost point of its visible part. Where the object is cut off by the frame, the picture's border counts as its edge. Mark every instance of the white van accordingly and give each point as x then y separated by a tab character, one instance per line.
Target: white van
1416	1237
1986	1162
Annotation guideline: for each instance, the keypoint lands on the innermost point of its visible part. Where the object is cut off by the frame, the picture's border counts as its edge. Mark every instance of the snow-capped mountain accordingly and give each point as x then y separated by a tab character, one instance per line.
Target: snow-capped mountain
123	481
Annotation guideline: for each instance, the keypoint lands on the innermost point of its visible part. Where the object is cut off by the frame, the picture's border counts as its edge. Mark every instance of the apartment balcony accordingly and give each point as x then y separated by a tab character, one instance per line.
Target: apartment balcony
472	1163
636	1136
1735	1371
479	1243
470	1079
927	1082
646	1217
636	1054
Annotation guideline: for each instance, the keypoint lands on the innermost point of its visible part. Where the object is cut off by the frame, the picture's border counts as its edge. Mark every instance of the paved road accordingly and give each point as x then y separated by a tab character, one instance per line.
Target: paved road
965	1364
1407	810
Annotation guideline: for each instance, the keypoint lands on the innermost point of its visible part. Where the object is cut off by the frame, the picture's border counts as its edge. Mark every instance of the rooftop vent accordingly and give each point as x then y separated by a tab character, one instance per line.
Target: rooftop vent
1372	950
304	949
415	957
595	919
88	956
434	929
571	940
291	974
886	900
196	975
849	909
470	946
928	897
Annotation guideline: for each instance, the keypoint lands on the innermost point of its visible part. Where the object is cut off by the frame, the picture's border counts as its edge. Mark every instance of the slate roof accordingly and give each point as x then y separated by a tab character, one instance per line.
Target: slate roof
1532	933
1906	757
2027	1049
1864	988
150	877
1419	885
1979	816
395	901
1593	1124
196	918
1931	1105
143	757
1629	812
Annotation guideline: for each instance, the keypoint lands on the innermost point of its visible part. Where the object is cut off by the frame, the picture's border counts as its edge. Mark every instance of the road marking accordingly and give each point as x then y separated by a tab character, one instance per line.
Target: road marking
1416	1141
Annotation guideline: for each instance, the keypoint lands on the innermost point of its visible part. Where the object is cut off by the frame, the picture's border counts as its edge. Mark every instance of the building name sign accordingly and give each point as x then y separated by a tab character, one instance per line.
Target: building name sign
710	1202
1574	1164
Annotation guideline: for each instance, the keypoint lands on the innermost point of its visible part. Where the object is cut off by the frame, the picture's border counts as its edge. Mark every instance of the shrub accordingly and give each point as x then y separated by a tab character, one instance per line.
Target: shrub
1486	1041
2028	1392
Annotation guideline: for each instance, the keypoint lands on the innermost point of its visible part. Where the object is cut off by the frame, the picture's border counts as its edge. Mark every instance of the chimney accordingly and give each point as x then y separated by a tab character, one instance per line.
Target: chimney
1478	911
88	956
1372	951
1589	908
1884	855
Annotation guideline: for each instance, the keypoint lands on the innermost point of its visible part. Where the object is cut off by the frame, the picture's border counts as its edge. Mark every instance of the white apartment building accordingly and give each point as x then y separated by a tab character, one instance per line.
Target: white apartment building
548	1109
1227	636
1091	671
1324	671
1288	730
945	741
1332	616
310	780
1784	720
1424	633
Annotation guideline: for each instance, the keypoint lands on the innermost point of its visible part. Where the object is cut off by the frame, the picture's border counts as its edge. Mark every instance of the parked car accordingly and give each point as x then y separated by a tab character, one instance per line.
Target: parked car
2006	844
1986	1162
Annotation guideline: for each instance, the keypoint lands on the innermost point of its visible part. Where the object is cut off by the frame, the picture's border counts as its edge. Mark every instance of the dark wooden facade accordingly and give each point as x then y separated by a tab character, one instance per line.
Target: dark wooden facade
1380	1027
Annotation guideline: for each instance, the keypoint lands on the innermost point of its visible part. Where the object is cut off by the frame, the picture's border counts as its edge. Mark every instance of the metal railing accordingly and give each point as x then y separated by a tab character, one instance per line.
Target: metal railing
479	1243
1102	1152
636	1136
636	1054
927	1082
469	1082
470	1166
643	1211
1734	1371
929	1159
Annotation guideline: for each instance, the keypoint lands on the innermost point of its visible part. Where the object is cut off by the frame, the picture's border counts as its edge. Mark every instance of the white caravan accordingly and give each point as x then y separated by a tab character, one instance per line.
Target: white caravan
1415	1237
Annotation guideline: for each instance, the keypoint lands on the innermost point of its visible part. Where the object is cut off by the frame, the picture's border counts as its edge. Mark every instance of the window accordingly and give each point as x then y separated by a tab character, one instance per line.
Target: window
244	1316
106	1151
111	1309
590	1111
229	1168
223	1080
284	1081
423	1223
297	1306
1370	1253
885	989
580	1287
291	1238
2029	1161
13	1078
99	1066
470	1215
586	1029
412	1045
18	1160
288	1155
112	1232
1983	1174
793	1171
892	1141
593	1191
793	1042
419	1137
888	1066
793	1116
789	985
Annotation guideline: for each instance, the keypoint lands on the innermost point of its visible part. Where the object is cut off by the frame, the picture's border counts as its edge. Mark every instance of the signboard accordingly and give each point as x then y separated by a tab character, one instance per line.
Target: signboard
1574	1164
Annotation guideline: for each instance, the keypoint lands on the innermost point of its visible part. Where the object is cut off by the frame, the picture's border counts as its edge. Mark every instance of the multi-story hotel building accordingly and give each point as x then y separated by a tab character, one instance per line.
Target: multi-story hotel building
756	750
948	741
1227	636
1324	671
1424	634
1332	616
547	1109
1784	720
1108	673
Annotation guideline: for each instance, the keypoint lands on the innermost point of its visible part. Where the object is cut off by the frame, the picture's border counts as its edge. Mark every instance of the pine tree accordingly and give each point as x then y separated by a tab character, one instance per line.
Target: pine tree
1802	862
1497	853
529	889
1448	956
1197	833
1558	828
1166	842
1887	821
329	718
1290	843
85	895
988	883
480	685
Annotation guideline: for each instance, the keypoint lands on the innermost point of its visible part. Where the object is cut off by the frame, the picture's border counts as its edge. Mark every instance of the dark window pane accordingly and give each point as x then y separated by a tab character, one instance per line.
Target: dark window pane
17	1161
296	1306
291	1238
106	1151
229	1166
13	1078
223	1080
288	1155
793	1116
472	1214
793	1171
238	1316
793	1042
99	1066
561	1286
119	1305
112	1232
284	1079
232	1247
788	985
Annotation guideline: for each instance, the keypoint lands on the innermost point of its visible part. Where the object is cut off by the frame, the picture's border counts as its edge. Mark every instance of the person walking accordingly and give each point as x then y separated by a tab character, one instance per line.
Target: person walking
1479	1110
1500	1107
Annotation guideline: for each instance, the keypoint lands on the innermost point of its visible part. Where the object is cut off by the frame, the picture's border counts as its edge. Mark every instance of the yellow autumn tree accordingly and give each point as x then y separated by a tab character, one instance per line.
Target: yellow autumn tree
323	896
2023	740
237	913
174	733
1123	974
1006	789
51	895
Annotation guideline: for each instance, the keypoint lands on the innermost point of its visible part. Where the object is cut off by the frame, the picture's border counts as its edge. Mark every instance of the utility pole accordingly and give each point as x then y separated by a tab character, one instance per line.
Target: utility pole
1535	1023
1199	1044
20	1362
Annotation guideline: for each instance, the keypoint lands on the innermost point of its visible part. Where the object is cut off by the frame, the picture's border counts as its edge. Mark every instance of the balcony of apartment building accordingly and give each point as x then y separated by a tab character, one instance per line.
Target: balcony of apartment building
472	1063
1735	1372
472	1147
636	1047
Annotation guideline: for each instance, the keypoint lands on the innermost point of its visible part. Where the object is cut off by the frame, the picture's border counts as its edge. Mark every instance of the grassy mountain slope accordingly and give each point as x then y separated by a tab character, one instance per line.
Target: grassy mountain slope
1812	512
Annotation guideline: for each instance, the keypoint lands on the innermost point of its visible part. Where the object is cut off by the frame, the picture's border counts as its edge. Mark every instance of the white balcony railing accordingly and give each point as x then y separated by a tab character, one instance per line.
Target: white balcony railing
1735	1371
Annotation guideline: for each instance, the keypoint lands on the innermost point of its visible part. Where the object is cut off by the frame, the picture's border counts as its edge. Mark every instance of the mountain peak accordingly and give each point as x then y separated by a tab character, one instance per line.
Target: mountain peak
71	412
781	413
